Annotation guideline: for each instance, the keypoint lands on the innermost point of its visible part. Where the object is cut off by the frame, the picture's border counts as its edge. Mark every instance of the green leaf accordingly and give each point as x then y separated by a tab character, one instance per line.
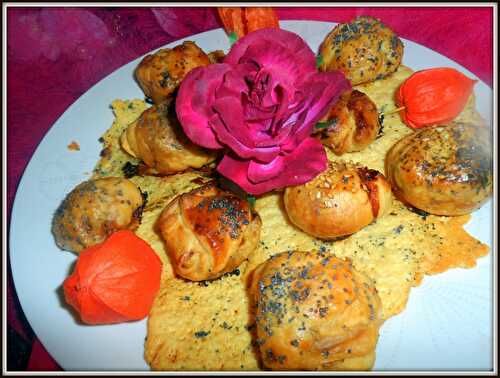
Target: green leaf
319	61
233	37
251	200
325	125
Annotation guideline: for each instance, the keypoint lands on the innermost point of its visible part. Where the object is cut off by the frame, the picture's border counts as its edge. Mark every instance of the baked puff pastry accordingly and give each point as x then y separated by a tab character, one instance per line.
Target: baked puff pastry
363	49
314	311
444	169
95	209
160	74
157	138
208	232
340	201
351	124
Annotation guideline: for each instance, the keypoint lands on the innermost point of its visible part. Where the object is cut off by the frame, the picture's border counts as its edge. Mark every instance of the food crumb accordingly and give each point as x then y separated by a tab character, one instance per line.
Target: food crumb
73	146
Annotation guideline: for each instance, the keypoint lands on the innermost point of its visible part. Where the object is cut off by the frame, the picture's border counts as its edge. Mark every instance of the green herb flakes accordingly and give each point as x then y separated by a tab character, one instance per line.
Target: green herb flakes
201	334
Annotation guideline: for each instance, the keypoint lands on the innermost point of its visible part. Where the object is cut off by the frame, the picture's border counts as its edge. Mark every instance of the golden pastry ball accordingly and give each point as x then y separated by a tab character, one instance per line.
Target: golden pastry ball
313	312
444	169
208	232
157	138
338	202
95	209
351	124
160	74
363	49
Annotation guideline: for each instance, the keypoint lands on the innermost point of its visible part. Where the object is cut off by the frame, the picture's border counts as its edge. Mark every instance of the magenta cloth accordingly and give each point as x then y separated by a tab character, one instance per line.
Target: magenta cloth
54	55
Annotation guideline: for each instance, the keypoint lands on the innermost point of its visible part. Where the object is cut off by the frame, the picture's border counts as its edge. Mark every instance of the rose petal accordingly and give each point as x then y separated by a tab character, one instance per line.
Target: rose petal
303	54
258	172
230	129
279	62
257	114
301	166
194	103
234	83
321	91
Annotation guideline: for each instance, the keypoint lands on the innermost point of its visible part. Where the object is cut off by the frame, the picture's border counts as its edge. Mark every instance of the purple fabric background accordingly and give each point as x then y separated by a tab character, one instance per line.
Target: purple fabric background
54	55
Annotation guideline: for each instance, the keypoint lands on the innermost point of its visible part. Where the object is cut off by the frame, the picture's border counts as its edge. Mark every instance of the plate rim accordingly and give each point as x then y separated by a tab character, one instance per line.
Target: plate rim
13	222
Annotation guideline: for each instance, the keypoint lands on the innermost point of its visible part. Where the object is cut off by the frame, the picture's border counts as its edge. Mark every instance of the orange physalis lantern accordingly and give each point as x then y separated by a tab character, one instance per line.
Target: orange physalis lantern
433	96
114	281
241	20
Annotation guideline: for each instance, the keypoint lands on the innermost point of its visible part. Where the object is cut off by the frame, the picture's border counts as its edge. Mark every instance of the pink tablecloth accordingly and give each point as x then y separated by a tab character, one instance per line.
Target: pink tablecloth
56	54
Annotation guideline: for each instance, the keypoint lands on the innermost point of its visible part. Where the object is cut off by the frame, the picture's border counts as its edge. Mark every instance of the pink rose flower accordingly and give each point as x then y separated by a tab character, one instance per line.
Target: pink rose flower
261	105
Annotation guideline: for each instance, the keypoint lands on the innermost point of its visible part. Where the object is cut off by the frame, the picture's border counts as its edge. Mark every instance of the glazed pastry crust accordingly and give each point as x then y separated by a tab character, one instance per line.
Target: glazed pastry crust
157	138
354	123
338	202
160	74
95	209
444	169
314	311
208	232
364	50
216	56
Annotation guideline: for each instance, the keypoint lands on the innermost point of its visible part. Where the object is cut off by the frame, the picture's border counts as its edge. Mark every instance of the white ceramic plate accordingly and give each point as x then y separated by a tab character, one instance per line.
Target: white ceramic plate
447	324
